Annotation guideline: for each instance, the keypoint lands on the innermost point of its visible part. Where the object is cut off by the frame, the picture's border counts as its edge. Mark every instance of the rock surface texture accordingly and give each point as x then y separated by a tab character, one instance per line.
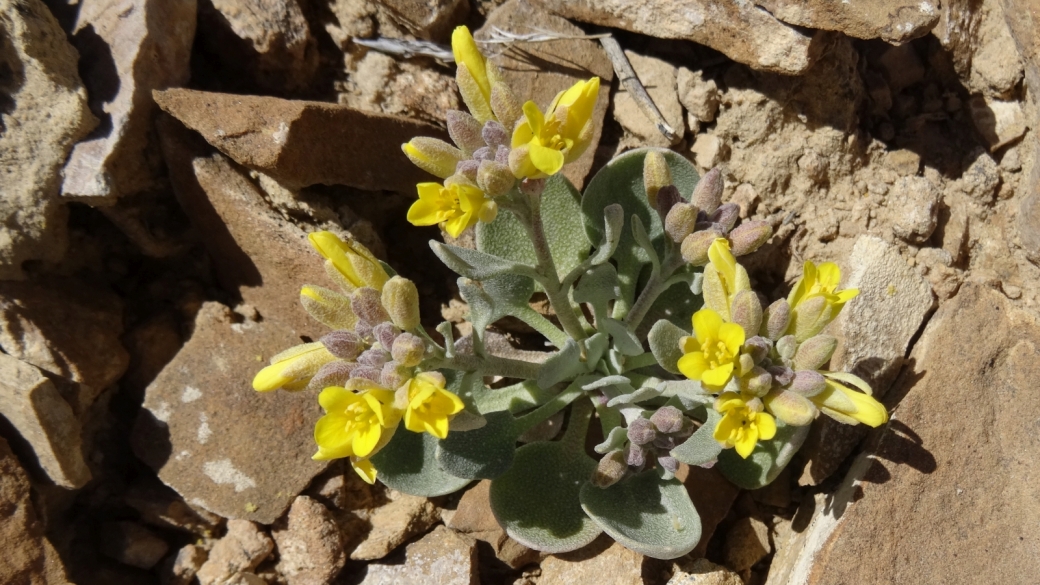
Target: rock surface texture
893	21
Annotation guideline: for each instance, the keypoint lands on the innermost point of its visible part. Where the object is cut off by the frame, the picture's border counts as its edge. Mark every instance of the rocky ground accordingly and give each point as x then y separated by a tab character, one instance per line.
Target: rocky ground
162	161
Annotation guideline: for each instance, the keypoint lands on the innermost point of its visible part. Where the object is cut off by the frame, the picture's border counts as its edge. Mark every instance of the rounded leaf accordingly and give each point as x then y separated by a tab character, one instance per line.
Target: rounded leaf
483	453
408	464
767	460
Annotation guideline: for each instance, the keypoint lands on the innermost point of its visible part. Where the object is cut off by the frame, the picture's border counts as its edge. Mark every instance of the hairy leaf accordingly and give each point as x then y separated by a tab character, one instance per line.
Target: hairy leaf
767	460
408	464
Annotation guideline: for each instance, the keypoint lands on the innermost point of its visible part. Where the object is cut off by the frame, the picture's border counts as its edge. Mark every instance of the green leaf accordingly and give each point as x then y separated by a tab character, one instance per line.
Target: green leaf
476	264
408	464
516	398
562	365
701	447
664	339
645	513
676	304
624	340
767	460
598	285
483	453
615	440
596	345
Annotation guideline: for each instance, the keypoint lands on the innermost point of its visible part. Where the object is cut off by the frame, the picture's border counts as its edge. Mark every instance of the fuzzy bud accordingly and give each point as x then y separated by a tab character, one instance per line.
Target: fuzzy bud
758	348
792	408
782	374
808	383
810	317
530	187
328	307
815	352
668	463
610	469
343	344
484	153
517	161
367	373
726	216
393	375
494	179
759	381
655	175
505	105
707	196
332	374
468	168
465	131
494	134
680	221
786	346
502	156
641	432
401	299
432	155
667	419
385	333
667	197
746	310
695	247
635	456
776	319
366	304
749	237
374	357
408	349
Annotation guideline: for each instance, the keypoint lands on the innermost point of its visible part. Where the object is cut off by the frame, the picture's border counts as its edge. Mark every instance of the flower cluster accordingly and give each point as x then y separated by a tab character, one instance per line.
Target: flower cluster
367	367
497	144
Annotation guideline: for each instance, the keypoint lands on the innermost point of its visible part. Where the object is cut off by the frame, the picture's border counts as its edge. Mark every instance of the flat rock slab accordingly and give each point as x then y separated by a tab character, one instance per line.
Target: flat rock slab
950	493
742	31
603	561
205	431
442	557
894	21
301	143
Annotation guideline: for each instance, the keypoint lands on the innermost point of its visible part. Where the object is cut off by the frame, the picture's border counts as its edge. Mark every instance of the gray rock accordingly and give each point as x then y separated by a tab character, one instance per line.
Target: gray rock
394	523
999	122
602	561
428	19
699	96
894	21
703	572
310	548
181	569
160	506
442	557
131	544
45	115
241	550
913	207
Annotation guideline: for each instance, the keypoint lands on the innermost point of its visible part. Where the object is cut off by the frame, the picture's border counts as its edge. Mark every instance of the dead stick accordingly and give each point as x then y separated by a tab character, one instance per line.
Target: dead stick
630	80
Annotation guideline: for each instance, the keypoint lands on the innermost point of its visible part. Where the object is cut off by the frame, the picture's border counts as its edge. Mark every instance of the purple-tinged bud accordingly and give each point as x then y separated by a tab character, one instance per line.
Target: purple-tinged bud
484	153
393	375
707	196
667	419
502	156
815	352
746	311
367	372
364	330
373	357
808	383
468	168
635	456
776	319
665	442
465	131
656	175
792	408
408	349
758	348
755	405
749	237
332	374
680	221
759	381
668	463
610	470
494	134
384	334
695	247
367	305
726	215
400	298
786	346
782	374
494	179
641	432
343	344
667	197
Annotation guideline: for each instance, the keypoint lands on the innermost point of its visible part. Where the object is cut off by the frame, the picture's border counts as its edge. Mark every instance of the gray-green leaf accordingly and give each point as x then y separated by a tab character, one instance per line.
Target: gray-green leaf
767	460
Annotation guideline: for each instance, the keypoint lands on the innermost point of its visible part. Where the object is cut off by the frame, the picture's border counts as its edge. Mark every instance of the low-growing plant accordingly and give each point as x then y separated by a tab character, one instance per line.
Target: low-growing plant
658	335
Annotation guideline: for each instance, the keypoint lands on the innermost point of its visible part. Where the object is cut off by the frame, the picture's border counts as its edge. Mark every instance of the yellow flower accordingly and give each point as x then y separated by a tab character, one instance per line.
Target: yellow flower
742	426
433	156
455	206
543	144
364	468
819	282
429	406
714	350
356	424
723	278
292	368
845	405
353	261
471	74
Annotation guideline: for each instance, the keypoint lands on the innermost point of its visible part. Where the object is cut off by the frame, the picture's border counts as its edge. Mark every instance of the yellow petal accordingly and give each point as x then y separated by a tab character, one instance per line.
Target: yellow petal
336	399
438	427
718	376
868	410
726	427
467	53
706	323
365	439
766	426
365	469
270	378
732	335
828	275
458	224
331	434
547	160
723	260
745	444
693	365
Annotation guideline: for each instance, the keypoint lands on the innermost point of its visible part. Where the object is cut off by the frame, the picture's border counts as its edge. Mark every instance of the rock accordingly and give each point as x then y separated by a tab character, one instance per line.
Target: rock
241	550
876	328
439	558
704	572
789	538
68	328
743	32
394	523
160	506
127	50
659	79
602	561
474	518
712	495
893	21
28	555
936	265
1028	220
270	39
431	20
33	407
131	544
747	542
999	122
182	568
300	143
699	96
223	446
708	151
981	179
382	84
45	113
977	355
913	207
978	37
151	345
310	548
901	67
1024	22
904	162
545	69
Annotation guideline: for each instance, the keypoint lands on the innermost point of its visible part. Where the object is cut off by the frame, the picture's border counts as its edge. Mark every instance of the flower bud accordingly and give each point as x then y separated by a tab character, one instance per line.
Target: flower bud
667	419
393	375
808	383
494	134
726	216
374	357
468	168
783	375
641	432
668	463
504	104
502	156
484	153
749	237
707	196
610	469
518	160
332	374
488	212
366	305
465	131
494	179
755	405
680	221
353	262
401	300
292	368
384	334
328	307
776	319
432	155
667	197
746	363
758	381
695	247
531	187
635	456
343	344
408	349
746	310
811	316
758	348
655	175
815	352
786	346
366	373
793	409
473	94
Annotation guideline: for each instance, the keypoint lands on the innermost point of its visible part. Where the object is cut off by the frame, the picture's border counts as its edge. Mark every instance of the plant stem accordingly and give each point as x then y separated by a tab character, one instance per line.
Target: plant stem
578	426
490	365
551	407
640	361
653	289
541	325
